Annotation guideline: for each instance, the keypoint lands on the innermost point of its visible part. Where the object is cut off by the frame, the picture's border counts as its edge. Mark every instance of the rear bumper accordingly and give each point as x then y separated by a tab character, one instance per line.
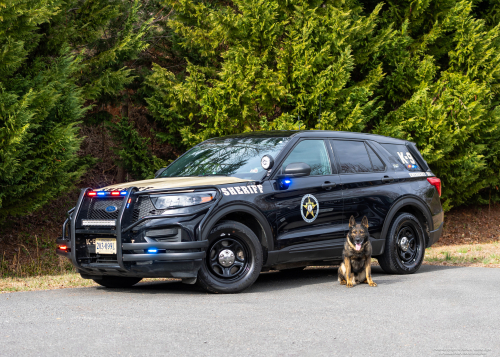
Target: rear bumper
435	235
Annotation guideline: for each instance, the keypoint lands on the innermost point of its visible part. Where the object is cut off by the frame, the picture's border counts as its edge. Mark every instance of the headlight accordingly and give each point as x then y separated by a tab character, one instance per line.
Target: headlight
182	199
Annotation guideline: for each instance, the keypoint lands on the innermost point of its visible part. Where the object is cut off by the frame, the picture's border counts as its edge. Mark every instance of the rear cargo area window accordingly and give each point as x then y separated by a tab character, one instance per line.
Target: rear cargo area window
405	158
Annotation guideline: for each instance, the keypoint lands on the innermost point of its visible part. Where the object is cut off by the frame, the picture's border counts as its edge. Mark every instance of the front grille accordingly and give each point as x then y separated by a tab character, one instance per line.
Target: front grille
97	208
144	207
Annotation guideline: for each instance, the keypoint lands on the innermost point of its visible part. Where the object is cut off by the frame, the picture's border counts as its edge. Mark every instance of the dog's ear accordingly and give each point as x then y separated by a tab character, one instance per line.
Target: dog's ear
352	222
364	222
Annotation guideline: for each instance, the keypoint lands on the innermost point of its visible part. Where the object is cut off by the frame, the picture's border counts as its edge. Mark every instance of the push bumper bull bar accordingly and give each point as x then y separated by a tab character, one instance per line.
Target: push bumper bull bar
175	257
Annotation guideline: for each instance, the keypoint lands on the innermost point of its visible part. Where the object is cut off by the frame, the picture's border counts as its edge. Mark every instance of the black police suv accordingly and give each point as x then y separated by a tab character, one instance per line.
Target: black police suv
234	206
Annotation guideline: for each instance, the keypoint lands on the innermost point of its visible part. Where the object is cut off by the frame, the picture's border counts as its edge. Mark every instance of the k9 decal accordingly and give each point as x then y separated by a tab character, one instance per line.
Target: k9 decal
417	174
242	190
405	157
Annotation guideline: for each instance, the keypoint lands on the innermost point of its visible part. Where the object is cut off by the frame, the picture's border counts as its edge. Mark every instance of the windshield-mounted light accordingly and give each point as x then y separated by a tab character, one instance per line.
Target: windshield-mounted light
169	201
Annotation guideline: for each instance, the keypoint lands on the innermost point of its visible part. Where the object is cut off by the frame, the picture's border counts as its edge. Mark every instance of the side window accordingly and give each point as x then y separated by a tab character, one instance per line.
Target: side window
352	156
313	153
377	164
400	151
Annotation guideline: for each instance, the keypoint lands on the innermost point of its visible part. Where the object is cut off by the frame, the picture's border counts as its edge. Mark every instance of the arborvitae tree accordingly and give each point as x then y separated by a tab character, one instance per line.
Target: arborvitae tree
55	55
267	63
422	70
441	91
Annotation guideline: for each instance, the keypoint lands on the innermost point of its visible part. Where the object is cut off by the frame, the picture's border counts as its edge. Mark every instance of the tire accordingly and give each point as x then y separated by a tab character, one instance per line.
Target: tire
116	282
397	260
233	261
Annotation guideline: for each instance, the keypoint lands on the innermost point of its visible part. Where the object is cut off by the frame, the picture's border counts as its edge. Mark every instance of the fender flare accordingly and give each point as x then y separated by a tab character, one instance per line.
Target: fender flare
240	207
407	201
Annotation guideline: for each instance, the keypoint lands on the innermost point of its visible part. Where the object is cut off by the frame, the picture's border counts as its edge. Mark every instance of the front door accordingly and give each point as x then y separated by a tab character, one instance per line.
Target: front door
309	215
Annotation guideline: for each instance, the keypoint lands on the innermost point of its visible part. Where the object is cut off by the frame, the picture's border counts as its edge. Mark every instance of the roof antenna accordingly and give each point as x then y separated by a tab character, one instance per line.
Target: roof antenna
319	119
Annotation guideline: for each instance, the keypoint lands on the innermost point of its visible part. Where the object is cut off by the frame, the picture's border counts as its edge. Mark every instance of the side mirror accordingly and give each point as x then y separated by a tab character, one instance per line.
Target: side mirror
296	169
157	173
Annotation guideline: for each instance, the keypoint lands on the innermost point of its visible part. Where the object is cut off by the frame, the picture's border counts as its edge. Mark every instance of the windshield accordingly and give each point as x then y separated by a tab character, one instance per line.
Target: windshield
237	157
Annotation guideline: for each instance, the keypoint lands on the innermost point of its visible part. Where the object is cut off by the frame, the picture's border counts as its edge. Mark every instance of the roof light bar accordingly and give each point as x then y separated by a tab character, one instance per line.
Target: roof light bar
105	193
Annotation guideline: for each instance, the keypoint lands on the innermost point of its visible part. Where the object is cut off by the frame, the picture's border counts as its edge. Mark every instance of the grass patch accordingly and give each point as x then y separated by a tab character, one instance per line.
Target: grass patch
50	282
47	282
487	255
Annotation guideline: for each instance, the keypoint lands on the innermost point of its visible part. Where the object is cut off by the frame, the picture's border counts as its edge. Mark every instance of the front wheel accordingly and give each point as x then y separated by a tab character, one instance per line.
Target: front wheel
117	281
404	247
233	261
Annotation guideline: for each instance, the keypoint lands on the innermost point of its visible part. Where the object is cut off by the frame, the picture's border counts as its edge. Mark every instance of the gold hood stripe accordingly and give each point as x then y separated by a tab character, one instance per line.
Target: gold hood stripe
177	182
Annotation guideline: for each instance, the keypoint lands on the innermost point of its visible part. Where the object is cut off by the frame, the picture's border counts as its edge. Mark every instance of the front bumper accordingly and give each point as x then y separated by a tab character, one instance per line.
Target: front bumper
180	259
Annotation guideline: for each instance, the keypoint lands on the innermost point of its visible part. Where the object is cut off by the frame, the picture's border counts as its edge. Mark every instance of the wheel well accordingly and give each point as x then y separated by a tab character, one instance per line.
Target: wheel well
250	221
420	216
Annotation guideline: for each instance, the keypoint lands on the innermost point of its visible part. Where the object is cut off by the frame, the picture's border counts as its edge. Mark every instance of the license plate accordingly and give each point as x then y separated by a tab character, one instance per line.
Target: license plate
105	246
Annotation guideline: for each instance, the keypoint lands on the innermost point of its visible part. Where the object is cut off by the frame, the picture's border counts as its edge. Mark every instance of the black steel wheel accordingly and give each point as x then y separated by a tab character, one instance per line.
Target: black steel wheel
117	281
404	247
233	261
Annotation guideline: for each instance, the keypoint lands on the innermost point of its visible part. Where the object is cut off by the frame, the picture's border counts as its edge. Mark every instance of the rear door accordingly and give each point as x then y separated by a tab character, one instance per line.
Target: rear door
369	188
310	210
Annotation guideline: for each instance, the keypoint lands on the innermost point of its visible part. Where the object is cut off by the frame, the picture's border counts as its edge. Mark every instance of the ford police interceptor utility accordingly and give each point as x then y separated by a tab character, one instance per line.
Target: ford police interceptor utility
234	206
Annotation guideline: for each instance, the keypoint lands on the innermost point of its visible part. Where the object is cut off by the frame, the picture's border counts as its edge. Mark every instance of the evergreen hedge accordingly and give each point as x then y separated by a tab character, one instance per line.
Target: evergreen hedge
423	70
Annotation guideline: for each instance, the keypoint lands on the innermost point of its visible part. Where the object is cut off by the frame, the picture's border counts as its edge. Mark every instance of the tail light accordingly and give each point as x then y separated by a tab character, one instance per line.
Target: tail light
63	247
434	181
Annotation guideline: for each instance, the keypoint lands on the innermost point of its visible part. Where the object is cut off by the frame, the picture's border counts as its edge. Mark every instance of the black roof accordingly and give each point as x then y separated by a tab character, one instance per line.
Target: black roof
313	134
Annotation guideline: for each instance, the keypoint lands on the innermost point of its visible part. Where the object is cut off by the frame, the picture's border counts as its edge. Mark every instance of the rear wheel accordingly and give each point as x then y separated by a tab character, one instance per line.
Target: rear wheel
404	247
233	261
117	281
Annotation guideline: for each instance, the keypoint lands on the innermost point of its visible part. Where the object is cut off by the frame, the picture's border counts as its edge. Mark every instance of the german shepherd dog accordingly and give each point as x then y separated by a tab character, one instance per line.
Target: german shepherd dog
357	255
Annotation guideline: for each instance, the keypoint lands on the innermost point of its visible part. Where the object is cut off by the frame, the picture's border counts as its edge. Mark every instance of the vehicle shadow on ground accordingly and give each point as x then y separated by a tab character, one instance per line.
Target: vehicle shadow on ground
279	280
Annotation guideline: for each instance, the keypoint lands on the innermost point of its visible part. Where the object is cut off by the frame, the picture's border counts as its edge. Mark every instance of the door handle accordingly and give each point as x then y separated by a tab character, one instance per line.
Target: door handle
386	179
328	184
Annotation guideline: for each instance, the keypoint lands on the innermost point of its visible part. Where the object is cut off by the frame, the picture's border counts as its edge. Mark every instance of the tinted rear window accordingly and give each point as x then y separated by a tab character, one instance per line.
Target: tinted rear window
401	153
377	164
352	156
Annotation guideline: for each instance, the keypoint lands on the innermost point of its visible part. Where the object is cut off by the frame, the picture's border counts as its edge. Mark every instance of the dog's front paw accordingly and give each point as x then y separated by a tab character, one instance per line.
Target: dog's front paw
372	283
350	284
343	282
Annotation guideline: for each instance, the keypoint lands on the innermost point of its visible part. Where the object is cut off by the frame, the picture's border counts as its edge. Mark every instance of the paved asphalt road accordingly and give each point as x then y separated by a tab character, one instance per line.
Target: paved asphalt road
438	311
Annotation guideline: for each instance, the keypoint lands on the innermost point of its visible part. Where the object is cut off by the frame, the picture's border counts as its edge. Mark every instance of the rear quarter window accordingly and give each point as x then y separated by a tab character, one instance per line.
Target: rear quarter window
403	156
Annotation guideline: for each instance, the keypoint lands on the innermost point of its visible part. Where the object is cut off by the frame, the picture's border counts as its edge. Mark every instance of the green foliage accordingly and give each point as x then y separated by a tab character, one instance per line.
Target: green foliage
422	70
444	91
269	62
136	158
55	56
39	107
